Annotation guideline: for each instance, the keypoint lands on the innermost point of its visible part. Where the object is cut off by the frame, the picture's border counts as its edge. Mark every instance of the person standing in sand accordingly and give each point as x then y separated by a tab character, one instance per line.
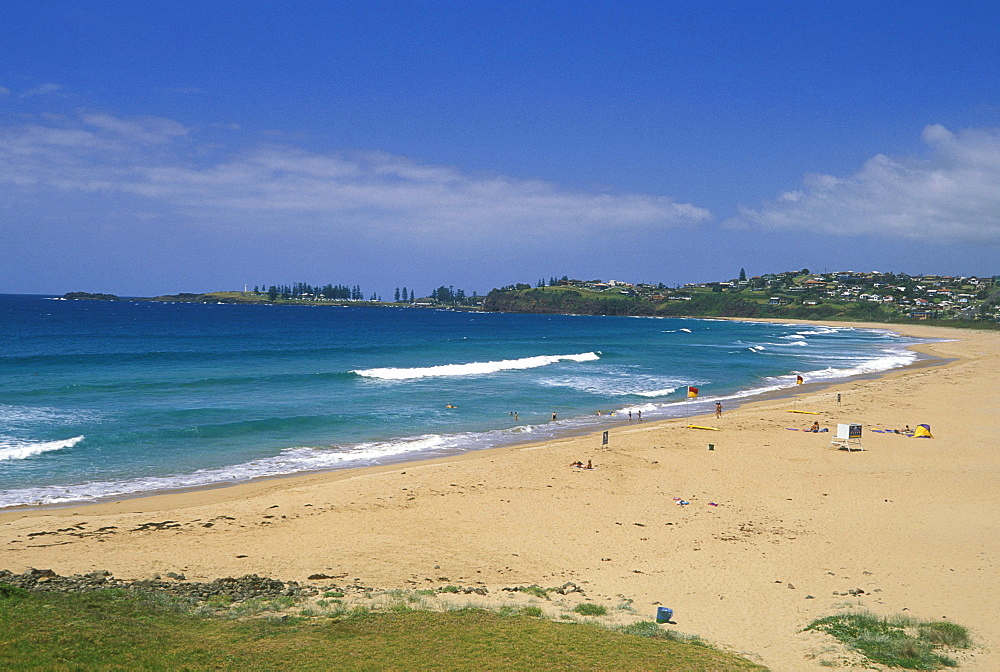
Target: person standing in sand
718	409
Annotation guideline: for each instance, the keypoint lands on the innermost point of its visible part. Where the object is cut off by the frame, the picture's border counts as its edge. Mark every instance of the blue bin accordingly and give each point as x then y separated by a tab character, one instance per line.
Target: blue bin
663	614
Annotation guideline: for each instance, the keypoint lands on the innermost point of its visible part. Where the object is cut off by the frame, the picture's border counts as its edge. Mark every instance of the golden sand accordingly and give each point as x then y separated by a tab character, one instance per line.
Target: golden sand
780	528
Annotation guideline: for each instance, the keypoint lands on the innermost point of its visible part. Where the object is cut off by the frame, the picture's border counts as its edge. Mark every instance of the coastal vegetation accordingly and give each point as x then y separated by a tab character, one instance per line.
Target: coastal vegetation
871	297
119	629
969	302
898	641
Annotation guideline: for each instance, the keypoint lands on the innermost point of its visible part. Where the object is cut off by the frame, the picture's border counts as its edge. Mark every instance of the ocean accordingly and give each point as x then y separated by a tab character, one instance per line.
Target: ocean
110	399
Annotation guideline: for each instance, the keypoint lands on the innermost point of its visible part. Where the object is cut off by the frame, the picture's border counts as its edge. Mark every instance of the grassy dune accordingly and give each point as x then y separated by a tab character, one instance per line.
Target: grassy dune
116	629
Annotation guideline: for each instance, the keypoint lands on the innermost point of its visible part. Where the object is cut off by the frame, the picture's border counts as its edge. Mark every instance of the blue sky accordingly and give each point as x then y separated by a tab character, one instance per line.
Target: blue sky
163	146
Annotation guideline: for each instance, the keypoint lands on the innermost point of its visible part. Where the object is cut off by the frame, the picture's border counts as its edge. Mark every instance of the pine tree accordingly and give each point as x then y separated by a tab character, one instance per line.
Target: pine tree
743	274
397	295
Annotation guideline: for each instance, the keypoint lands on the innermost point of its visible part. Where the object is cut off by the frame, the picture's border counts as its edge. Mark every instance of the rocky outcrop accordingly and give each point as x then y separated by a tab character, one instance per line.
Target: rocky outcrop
89	296
237	589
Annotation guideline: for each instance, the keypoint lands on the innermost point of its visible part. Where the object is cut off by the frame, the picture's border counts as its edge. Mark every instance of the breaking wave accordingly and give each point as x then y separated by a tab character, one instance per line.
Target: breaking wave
475	368
13	449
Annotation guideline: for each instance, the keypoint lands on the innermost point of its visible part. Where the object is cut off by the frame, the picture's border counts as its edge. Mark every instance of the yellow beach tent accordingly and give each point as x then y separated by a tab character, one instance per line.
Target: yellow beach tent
922	432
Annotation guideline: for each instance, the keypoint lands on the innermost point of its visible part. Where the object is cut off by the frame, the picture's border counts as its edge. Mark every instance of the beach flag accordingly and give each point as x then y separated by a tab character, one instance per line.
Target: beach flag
798	380
692	392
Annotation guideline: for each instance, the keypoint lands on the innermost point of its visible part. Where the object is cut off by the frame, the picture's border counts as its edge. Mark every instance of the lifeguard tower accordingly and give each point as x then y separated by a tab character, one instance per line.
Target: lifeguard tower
848	437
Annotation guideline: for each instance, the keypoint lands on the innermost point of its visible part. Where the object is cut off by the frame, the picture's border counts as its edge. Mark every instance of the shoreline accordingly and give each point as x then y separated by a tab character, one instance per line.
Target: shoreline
923	359
778	528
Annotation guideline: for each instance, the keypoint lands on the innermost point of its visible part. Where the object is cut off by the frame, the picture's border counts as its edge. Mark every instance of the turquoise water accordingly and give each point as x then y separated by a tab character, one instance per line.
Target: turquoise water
102	399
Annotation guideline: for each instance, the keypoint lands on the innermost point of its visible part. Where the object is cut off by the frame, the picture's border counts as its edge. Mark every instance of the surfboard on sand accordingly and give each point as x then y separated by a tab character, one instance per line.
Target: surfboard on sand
714	429
806	412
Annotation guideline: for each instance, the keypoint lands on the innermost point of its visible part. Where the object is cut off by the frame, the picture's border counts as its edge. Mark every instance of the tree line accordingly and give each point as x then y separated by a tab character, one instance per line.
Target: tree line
302	290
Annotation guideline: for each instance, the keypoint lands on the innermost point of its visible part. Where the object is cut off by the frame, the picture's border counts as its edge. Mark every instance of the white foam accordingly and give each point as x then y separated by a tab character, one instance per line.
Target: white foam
658	393
289	461
24	417
475	368
14	449
616	385
890	359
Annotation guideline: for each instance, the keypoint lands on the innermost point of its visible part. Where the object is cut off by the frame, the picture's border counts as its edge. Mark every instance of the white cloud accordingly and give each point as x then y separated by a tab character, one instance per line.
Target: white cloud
952	195
156	159
42	90
142	130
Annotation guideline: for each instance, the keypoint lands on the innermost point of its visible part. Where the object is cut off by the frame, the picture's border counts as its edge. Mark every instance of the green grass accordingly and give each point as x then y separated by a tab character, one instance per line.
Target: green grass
537	591
590	609
896	642
117	630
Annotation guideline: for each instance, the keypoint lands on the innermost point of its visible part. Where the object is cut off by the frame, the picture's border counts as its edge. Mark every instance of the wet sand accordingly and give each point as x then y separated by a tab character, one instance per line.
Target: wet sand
780	528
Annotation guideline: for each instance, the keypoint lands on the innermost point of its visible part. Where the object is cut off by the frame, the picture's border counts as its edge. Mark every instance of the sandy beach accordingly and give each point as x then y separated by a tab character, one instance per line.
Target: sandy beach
779	529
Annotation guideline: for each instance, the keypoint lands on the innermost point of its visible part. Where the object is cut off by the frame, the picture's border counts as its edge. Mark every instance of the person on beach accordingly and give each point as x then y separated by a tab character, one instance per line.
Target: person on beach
578	464
630	416
718	409
640	415
589	465
553	415
814	428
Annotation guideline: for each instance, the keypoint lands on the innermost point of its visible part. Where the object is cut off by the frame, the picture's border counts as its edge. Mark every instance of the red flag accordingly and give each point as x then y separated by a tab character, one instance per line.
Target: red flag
798	380
692	392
